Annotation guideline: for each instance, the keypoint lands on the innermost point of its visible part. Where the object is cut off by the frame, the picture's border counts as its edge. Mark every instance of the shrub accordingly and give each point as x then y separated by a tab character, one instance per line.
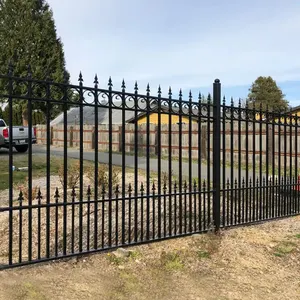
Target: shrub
72	175
103	175
25	191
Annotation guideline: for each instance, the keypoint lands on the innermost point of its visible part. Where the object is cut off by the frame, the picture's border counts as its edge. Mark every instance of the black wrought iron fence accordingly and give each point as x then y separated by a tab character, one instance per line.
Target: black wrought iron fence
214	165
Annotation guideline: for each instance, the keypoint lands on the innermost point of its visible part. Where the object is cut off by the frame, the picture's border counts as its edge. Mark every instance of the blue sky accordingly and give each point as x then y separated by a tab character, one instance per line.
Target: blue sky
183	44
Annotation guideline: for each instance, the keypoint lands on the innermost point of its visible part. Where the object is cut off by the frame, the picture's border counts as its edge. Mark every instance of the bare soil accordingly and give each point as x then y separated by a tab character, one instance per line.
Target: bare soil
254	262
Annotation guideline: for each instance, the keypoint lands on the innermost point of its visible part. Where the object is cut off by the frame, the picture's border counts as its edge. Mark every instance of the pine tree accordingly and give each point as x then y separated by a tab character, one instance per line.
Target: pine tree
265	93
28	37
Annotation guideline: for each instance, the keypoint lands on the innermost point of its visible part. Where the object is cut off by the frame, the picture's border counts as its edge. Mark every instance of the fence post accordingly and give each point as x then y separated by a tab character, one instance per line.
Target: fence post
71	136
94	138
51	135
216	153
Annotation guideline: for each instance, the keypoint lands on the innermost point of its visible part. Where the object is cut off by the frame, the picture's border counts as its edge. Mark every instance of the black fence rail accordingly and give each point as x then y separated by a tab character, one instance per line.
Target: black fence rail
130	198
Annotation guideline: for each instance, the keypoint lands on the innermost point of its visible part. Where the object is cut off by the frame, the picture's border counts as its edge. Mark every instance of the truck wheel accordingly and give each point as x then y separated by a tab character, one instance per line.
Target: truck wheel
22	148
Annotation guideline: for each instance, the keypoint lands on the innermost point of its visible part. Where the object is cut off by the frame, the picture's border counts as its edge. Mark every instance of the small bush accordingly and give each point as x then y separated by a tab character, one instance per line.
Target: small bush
72	175
171	261
25	191
103	175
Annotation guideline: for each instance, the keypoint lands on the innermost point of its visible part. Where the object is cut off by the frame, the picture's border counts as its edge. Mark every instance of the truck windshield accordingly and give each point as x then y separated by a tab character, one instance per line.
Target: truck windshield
2	124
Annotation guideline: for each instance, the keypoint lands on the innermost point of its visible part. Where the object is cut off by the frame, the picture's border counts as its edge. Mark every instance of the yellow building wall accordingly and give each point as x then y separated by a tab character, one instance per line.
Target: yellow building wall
282	119
164	119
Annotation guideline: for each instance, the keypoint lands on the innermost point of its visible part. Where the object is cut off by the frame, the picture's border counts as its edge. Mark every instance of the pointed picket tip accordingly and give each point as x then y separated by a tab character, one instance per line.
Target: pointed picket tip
180	94
200	97
110	84
29	71
80	78
56	193
159	90
21	198
123	86
10	68
89	190
190	95
136	88
170	91
142	187
103	190
153	186
117	190
96	82
224	100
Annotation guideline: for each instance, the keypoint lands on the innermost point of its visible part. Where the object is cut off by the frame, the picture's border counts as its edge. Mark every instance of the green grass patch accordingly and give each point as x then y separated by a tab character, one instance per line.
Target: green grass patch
297	236
172	261
203	254
284	248
39	167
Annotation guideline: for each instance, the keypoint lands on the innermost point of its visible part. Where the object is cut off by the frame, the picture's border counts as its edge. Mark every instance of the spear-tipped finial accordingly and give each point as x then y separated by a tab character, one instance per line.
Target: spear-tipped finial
10	68
123	86
136	88
142	188
103	190
165	187
39	195
66	77
56	195
153	186
170	93
209	98
80	78
224	100
117	191
29	71
110	84
21	198
89	191
96	82
180	94
247	104
240	102
200	97
148	89
47	75
190	96
231	101
159	91
73	194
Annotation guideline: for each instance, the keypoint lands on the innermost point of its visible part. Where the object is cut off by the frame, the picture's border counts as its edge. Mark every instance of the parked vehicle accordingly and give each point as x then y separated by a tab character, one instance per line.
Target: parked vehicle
20	137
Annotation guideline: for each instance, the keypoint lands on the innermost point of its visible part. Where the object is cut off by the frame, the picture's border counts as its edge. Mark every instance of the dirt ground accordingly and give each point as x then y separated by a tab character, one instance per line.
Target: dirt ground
254	262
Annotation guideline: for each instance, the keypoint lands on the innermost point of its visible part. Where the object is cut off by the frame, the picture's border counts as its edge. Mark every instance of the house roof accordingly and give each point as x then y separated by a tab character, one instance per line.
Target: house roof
103	114
296	108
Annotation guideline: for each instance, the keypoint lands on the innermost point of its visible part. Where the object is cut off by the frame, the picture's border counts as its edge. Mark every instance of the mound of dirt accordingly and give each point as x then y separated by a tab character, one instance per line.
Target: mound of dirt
254	262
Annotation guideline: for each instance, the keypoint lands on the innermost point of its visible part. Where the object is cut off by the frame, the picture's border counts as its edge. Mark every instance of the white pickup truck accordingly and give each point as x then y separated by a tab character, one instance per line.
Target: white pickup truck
20	137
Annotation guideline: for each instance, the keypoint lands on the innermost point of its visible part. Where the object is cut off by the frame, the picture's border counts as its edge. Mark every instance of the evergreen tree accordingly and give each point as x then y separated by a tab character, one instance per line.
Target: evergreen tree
28	37
264	92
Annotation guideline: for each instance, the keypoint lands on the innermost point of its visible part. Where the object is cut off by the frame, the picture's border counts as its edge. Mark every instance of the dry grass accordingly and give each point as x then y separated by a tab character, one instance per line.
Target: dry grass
240	263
